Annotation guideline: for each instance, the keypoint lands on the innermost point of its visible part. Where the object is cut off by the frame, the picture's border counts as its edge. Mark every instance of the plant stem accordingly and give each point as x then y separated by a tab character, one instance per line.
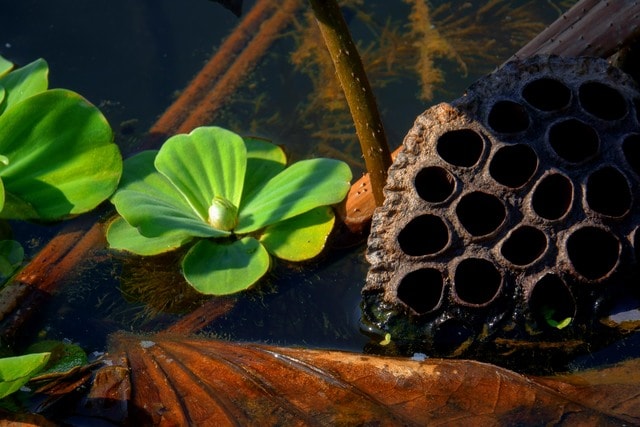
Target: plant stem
358	92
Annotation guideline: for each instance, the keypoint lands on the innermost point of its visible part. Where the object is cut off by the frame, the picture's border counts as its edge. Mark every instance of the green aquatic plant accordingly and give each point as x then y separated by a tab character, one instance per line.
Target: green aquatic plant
57	155
232	199
17	371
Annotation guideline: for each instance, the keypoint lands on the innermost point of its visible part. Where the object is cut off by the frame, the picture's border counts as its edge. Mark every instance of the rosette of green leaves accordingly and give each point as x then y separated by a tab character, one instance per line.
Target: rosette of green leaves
233	200
57	156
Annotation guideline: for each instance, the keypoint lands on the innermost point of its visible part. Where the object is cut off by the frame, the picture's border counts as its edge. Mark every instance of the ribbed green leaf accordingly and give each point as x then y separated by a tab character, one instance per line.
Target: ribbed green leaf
299	188
62	159
150	202
24	82
301	237
225	268
122	236
208	162
5	66
264	161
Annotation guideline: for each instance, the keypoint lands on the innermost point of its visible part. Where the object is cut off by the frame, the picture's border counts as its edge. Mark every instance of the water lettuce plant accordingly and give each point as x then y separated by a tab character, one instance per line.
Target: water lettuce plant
233	200
57	156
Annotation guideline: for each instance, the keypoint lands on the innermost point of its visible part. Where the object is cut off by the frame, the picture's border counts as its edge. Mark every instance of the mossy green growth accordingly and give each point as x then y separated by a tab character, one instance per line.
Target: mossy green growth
233	200
57	155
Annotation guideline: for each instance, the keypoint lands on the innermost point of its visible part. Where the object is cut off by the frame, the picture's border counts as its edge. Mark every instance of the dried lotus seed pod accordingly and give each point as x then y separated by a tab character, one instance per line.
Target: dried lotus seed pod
511	214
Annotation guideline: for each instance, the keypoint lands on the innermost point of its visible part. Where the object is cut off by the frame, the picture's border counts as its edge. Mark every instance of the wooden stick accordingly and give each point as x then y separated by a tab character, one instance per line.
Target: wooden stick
589	28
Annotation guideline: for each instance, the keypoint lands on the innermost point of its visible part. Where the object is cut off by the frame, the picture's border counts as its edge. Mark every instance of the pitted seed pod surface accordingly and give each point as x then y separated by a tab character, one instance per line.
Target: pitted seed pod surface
511	214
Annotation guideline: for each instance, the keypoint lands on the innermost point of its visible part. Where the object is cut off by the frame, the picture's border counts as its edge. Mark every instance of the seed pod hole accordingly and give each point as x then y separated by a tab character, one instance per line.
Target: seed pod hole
552	197
631	150
423	235
608	192
422	290
524	245
452	336
480	213
462	147
547	94
434	184
551	302
573	140
508	117
513	165
476	281
602	101
593	252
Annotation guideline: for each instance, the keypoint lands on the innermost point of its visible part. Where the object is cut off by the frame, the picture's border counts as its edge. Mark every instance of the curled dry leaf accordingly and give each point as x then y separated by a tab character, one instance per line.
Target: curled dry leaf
189	381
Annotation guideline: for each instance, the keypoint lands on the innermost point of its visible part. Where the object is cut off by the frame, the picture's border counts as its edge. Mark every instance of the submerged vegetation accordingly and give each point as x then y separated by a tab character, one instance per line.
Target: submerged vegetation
426	43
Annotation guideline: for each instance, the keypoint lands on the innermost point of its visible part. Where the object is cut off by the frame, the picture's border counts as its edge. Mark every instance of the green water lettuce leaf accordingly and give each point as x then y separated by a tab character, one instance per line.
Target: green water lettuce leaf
62	159
149	202
301	237
123	236
206	163
11	257
225	268
24	82
17	371
264	161
2	195
299	188
5	66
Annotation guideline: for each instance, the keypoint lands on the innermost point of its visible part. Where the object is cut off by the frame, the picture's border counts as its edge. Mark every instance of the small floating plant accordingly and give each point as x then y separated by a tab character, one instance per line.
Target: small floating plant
231	200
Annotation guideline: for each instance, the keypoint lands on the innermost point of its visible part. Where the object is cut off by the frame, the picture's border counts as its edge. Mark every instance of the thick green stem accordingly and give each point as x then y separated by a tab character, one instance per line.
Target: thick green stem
357	91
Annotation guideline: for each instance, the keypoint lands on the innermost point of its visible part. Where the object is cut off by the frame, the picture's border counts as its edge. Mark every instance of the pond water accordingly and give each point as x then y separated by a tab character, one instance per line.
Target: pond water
132	59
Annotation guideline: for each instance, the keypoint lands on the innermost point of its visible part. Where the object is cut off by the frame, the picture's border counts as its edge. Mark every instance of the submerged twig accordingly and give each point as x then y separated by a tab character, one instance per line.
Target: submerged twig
222	74
357	91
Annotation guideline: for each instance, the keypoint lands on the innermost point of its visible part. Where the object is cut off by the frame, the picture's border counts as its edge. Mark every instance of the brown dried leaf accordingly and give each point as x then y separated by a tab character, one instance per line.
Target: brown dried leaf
189	381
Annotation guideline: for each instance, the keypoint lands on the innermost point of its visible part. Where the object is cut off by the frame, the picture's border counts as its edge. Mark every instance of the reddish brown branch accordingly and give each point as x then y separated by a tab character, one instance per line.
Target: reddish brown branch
226	70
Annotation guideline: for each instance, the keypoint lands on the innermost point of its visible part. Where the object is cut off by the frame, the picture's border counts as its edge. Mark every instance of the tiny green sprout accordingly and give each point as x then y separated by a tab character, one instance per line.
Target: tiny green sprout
233	200
386	340
223	215
550	317
561	324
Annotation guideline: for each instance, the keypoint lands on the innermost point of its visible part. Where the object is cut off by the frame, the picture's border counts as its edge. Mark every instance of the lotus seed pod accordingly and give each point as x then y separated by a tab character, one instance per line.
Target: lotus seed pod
223	215
511	214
